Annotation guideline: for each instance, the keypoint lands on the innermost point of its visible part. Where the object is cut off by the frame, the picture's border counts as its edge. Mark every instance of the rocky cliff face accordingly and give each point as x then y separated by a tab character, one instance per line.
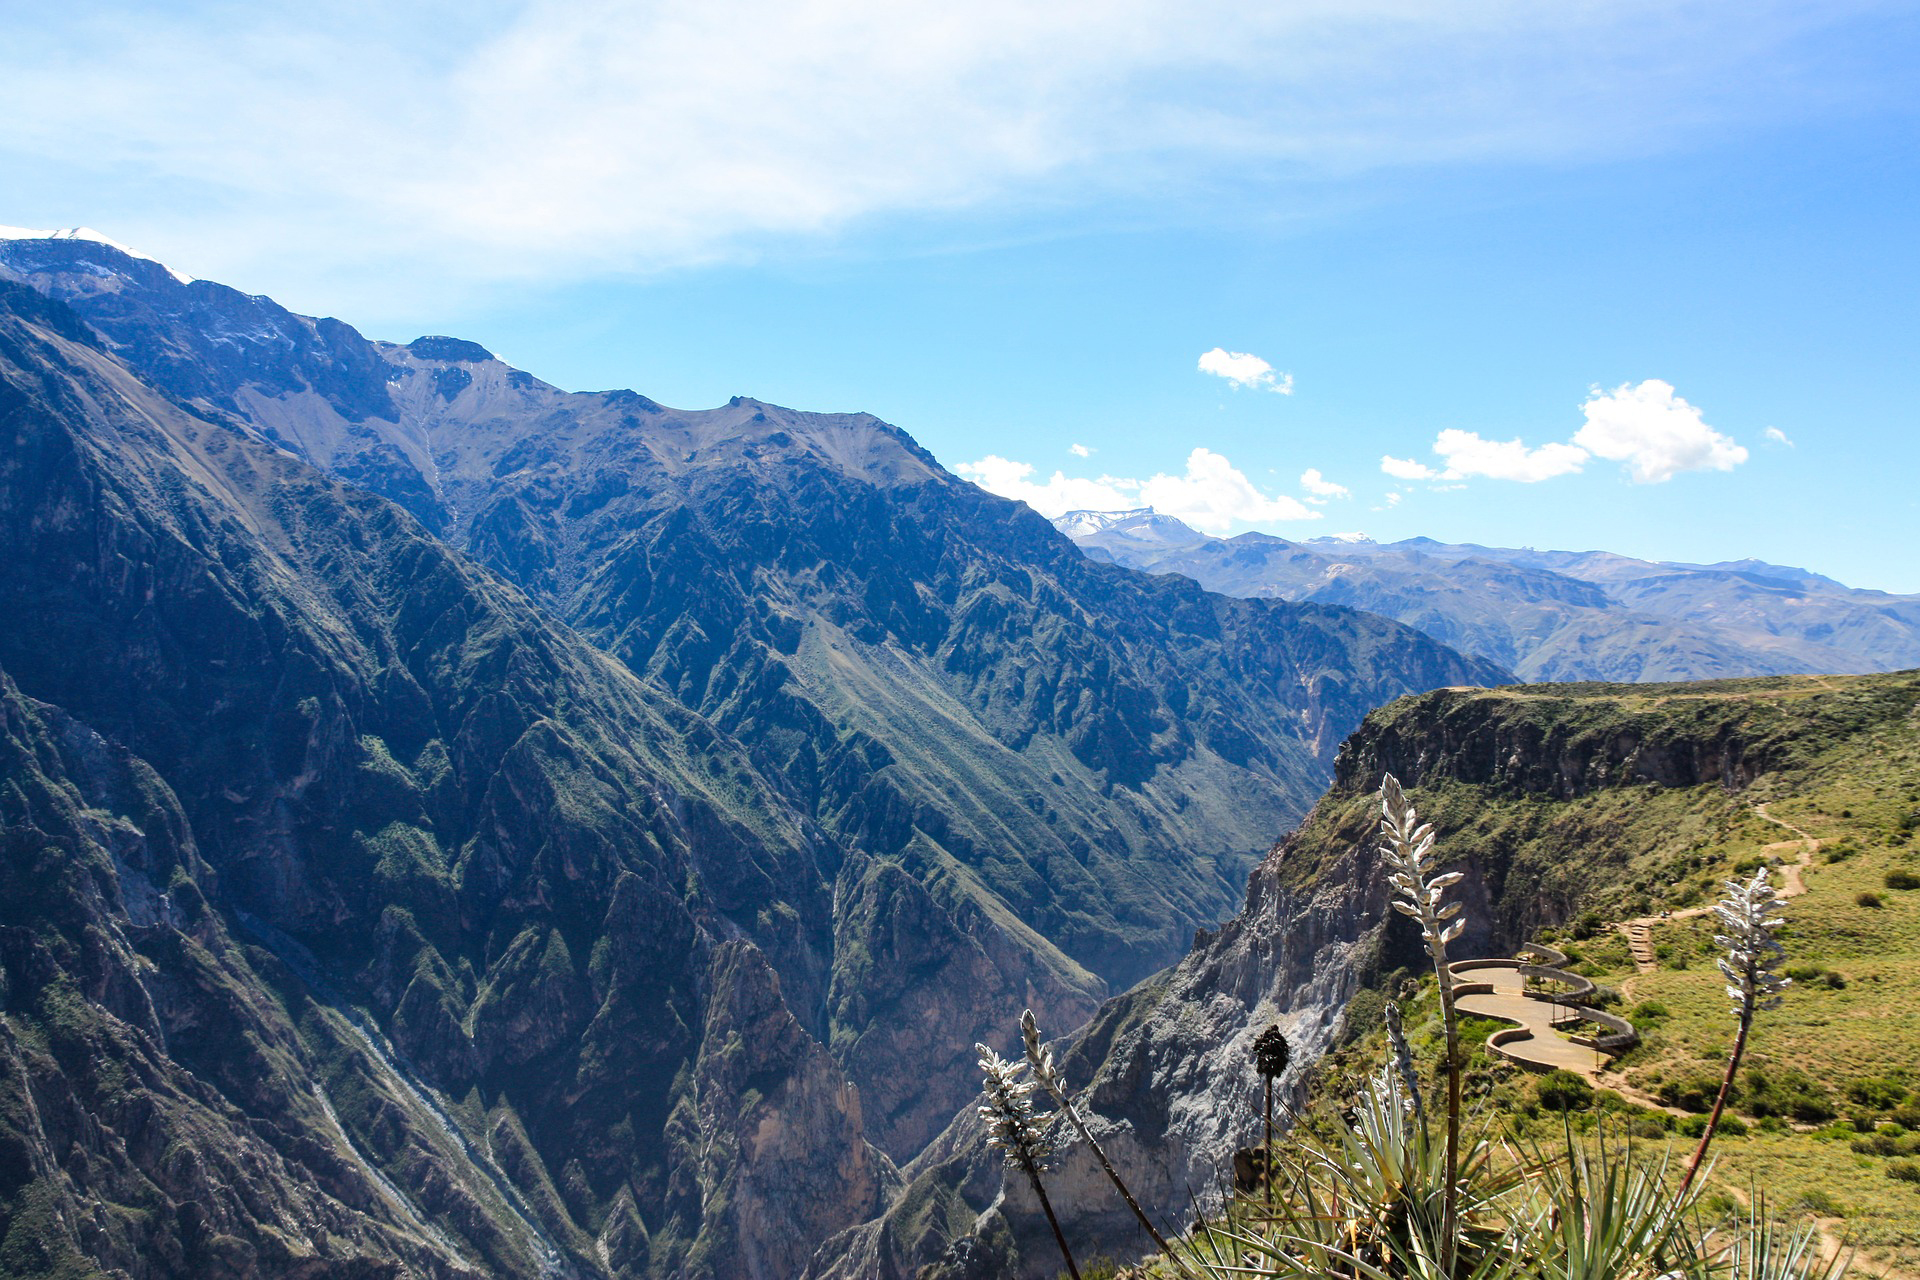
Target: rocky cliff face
1071	764
518	955
1540	795
476	948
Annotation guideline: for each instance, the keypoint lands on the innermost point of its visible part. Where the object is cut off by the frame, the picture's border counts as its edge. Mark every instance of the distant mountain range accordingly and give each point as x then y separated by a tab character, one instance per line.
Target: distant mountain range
456	825
1546	615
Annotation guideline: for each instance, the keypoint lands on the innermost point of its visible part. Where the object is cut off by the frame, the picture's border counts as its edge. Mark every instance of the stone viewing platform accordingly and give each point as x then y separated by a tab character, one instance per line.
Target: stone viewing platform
1497	988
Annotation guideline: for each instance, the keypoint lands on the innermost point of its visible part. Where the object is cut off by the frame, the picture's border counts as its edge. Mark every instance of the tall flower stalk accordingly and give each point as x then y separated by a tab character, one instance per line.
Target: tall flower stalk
1271	1052
1017	1134
1751	967
1047	1072
1403	1060
1406	846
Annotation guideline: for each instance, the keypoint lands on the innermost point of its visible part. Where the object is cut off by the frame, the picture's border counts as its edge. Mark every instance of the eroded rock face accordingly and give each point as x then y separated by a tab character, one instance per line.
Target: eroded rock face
328	766
1076	764
868	762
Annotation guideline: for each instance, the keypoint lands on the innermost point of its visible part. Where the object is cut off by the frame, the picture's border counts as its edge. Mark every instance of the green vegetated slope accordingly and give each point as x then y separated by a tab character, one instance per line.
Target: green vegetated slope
1582	806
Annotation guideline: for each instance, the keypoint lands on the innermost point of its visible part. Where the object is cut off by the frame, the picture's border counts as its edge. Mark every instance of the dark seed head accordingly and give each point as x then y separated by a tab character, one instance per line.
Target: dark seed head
1271	1052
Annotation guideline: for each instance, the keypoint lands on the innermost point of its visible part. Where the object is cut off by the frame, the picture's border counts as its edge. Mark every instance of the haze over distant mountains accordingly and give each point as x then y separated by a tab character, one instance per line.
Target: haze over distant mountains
1546	615
456	823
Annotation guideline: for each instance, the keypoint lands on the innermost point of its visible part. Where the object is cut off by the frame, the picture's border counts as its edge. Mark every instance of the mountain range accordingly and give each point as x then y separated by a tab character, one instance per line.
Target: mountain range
455	826
1546	615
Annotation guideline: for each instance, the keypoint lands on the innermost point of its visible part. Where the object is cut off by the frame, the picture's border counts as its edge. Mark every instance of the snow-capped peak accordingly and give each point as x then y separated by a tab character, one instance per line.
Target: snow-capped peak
88	233
1142	524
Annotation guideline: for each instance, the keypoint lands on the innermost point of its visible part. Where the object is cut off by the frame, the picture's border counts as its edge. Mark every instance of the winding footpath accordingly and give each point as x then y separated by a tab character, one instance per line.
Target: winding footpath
1639	931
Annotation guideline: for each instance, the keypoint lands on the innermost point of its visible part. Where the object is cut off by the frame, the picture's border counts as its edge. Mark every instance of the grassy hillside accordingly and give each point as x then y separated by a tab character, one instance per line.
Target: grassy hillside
1816	776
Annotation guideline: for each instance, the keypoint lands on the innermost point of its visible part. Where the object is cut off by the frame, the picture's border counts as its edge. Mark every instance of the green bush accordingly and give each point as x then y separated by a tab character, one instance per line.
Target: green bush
1817	1201
1693	1126
1787	1092
1902	880
1904	1171
1868	898
1692	1092
1877	1092
1563	1091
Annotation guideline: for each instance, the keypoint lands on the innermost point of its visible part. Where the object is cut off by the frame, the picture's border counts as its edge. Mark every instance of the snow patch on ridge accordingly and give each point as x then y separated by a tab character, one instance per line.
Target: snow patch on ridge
88	233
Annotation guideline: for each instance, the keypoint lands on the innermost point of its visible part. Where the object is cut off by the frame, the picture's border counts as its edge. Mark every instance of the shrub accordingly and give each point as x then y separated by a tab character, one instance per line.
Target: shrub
1902	880
1563	1091
1818	1201
1877	1092
1868	898
1694	1126
1887	1142
1648	1011
1904	1171
1787	1092
1694	1091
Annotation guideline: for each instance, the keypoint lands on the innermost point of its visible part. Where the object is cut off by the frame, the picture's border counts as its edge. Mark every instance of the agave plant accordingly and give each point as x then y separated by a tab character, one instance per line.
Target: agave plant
1602	1213
1370	1202
1419	891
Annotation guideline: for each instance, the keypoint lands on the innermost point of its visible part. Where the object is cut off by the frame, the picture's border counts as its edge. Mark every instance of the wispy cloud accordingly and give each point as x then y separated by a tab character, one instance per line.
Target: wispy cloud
1245	371
1774	435
545	138
1211	494
1080	451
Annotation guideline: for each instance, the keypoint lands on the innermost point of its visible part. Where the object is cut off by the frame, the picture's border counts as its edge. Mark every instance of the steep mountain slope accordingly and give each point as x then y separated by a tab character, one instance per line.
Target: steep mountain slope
1554	801
522	957
1055	770
345	880
1548	615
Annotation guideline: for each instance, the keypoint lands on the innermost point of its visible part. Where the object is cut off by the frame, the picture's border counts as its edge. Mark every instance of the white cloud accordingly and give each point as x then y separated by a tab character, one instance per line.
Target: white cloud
517	138
1654	432
1059	494
1245	370
1319	489
1212	494
1467	454
1647	427
1079	451
1407	468
1774	435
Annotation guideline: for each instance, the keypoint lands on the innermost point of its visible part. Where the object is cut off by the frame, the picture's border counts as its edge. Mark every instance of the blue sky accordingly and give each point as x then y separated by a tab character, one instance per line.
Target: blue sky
1669	249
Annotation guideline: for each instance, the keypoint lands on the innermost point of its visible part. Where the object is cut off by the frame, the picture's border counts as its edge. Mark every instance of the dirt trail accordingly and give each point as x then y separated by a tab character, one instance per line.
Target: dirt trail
1639	931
